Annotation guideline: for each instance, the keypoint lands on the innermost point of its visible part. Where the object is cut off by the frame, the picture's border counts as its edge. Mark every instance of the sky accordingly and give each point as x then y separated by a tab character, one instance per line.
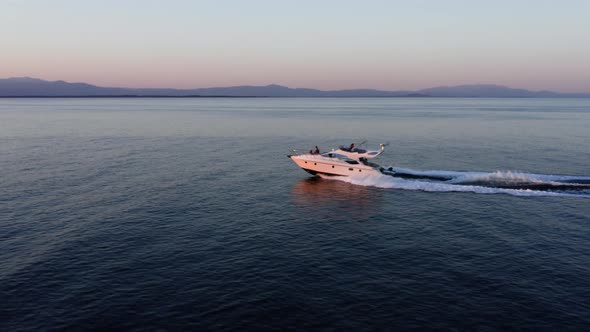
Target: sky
324	44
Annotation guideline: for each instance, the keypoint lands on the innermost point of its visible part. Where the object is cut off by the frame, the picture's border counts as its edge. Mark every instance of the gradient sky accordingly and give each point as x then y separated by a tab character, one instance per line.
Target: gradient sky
326	44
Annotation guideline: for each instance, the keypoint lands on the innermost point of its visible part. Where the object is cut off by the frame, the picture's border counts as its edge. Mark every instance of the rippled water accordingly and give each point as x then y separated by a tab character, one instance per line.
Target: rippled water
185	214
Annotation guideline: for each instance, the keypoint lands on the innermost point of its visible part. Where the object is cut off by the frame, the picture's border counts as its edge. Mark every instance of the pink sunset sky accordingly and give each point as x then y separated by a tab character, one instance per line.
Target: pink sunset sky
386	45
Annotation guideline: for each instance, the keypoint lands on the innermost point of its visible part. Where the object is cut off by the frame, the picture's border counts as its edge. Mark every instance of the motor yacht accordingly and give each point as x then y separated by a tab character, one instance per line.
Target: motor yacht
339	162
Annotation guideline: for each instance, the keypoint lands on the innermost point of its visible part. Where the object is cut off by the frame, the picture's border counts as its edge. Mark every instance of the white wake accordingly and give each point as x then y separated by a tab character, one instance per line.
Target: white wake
475	182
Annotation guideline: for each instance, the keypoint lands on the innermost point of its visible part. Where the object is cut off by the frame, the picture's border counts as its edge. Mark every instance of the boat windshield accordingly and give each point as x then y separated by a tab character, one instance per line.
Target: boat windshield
355	150
334	155
340	157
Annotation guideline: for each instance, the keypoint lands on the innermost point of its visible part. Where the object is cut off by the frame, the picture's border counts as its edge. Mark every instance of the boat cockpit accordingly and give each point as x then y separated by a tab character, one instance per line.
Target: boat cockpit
340	157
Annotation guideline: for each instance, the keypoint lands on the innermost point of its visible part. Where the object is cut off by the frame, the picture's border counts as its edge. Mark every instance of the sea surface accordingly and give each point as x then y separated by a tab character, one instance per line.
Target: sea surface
186	214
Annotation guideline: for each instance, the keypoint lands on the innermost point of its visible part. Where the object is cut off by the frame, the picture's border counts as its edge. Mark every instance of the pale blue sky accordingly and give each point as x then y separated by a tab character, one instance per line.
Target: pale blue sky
322	44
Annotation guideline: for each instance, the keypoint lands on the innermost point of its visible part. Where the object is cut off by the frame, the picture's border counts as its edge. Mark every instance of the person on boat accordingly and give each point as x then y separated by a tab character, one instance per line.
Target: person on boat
351	147
317	150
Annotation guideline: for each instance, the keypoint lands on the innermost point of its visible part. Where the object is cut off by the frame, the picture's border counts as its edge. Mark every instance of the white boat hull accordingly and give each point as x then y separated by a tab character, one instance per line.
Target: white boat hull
317	164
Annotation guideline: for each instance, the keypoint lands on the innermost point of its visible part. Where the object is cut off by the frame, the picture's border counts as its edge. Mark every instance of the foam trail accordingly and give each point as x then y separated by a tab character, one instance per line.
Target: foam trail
510	175
498	176
386	181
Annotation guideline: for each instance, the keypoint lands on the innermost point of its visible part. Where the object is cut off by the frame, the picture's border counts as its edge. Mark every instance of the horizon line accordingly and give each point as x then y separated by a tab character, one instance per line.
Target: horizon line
290	87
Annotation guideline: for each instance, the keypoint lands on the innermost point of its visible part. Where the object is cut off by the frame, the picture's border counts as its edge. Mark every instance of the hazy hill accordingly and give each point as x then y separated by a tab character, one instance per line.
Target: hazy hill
26	86
33	87
489	90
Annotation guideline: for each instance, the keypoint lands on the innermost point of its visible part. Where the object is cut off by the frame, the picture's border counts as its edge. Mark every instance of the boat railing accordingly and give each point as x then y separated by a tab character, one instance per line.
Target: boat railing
372	153
297	152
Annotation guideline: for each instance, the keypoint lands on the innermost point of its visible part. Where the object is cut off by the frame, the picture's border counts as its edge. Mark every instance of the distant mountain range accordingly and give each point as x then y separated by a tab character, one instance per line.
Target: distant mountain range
33	87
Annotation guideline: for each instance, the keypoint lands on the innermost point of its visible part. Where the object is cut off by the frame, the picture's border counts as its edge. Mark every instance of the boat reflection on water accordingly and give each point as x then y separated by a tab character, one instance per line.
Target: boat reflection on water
333	198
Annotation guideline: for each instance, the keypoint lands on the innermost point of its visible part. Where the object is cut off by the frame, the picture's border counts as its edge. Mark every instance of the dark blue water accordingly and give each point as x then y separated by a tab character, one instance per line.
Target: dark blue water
185	214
